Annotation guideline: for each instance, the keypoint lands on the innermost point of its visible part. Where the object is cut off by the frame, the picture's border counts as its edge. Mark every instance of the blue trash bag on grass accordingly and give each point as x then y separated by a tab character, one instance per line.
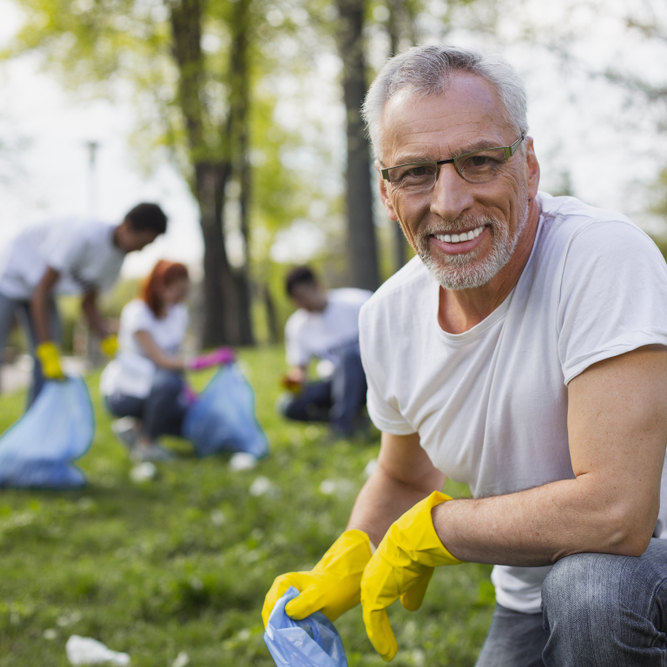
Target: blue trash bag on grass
58	428
222	418
312	642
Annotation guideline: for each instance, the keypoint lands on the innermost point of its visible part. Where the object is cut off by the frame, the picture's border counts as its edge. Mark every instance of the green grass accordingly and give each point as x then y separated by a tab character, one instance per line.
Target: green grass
182	563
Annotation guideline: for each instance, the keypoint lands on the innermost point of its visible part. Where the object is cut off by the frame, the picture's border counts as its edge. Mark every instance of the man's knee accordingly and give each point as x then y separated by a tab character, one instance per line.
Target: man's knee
607	609
577	583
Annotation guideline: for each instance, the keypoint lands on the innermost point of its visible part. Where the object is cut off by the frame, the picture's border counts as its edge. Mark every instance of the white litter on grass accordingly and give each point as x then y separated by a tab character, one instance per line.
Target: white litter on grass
218	517
337	487
242	461
143	472
182	660
261	486
88	651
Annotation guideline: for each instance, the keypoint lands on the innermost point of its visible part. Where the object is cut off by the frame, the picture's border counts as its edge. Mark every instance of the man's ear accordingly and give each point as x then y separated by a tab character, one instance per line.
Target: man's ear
533	168
384	195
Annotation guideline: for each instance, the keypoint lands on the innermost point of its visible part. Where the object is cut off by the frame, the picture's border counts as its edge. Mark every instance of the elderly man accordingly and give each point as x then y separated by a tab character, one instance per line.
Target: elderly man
524	351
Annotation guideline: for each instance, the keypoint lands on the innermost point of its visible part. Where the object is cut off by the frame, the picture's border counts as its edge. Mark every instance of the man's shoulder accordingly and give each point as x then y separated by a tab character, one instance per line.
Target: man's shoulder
94	230
568	223
571	214
296	321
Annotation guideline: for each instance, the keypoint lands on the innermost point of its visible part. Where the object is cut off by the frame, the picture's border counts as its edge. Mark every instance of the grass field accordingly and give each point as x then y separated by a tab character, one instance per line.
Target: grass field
174	570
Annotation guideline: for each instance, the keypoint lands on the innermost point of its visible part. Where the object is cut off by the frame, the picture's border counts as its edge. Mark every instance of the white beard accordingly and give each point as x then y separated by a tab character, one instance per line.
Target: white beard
464	271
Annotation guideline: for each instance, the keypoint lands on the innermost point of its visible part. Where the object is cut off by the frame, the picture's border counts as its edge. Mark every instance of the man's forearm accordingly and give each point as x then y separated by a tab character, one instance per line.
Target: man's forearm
380	502
540	525
40	305
94	318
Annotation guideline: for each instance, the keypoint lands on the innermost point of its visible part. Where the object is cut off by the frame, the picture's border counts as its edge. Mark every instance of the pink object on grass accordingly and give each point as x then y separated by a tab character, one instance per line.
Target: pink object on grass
223	355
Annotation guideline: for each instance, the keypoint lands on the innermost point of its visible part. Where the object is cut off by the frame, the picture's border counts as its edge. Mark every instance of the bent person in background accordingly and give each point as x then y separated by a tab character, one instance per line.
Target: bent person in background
75	257
524	352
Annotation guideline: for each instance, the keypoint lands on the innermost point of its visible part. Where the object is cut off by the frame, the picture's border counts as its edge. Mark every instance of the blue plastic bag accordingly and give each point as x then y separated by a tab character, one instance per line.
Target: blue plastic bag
222	418
312	642
58	428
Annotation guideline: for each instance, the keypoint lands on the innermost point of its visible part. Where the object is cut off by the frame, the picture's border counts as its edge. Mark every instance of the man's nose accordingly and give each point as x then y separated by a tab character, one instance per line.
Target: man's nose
451	195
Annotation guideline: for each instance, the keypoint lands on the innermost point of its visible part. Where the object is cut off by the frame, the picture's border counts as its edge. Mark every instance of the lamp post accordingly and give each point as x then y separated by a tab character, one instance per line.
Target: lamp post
92	146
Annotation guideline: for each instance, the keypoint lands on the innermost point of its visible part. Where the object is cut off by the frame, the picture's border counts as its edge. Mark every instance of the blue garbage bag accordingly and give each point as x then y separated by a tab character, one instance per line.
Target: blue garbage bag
312	642
58	428
222	418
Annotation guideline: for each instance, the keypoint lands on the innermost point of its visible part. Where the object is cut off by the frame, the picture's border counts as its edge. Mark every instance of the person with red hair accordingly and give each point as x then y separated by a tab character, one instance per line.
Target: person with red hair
144	385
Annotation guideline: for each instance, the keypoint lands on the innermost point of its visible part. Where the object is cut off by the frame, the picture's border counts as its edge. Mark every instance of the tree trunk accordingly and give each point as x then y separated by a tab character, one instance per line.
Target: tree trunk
361	240
219	293
226	317
401	28
240	112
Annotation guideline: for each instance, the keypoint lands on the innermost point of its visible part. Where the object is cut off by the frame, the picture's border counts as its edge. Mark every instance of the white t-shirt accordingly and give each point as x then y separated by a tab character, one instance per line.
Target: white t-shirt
131	372
490	404
82	251
323	335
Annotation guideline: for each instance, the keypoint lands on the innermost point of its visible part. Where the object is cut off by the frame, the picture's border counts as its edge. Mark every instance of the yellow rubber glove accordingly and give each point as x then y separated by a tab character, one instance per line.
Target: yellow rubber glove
109	345
331	587
401	568
47	353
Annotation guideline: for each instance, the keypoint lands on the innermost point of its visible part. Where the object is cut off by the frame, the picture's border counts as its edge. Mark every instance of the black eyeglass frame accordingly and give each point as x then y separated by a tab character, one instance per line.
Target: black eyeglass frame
508	151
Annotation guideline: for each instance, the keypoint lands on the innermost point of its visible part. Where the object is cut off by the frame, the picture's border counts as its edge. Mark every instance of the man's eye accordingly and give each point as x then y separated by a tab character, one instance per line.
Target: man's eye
481	161
419	170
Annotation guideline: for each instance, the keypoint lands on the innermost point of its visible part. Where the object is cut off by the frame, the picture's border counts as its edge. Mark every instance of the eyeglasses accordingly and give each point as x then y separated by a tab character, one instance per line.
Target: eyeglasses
475	167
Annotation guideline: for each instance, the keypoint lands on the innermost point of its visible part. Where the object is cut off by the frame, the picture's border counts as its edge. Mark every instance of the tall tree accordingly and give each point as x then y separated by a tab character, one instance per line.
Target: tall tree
401	30
361	240
216	147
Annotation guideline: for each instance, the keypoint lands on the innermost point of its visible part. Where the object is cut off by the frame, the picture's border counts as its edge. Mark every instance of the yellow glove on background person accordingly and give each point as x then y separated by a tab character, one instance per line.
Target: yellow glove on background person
331	587
109	345
47	353
402	567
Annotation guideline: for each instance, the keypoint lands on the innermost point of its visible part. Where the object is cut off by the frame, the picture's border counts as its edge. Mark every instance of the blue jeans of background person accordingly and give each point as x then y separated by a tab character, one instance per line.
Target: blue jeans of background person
338	400
20	309
598	610
161	412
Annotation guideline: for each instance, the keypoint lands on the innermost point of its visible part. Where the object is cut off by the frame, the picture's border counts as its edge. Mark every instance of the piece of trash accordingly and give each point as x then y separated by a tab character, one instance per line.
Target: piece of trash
242	461
143	472
182	660
260	487
89	651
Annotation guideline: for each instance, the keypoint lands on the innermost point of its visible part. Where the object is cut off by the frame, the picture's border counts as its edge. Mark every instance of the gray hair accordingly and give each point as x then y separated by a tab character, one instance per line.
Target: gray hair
426	70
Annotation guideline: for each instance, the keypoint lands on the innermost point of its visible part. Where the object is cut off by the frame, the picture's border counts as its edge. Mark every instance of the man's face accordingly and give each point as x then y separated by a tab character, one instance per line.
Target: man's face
129	240
310	297
466	234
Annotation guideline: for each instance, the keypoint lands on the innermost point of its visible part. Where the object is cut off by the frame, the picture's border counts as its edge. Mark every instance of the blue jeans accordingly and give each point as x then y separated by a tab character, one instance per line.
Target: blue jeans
338	400
11	309
598	610
161	412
